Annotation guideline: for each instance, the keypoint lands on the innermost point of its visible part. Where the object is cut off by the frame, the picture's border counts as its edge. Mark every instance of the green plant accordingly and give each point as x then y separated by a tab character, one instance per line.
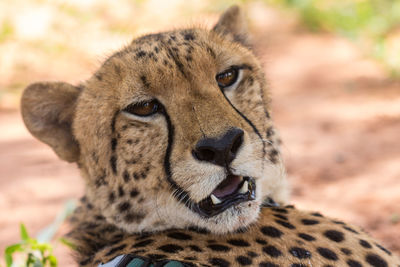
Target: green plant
372	24
38	252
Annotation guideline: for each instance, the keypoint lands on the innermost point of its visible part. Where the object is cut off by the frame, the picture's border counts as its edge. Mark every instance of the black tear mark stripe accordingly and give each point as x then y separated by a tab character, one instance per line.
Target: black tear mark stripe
180	194
114	142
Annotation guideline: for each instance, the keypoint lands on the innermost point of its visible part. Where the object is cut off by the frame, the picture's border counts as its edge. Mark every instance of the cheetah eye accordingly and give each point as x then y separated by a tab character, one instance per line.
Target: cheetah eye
143	109
227	78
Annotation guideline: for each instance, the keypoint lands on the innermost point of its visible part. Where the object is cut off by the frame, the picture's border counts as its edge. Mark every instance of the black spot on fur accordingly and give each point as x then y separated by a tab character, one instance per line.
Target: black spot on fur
156	49
353	263
111	197
350	229
243	260
188	36
217	247
117	70
199	230
126	176
268	264
124	206
115	249
298	265
211	52
338	222
300	253
140	54
327	253
286	224
365	244
143	243
113	144
272	251
98	76
271	231
195	248
376	260
101	180
170	248
334	235
134	193
384	249
188	58
280	210
280	216
156	257
144	81
309	222
252	254
261	241
306	237
113	163
238	242
179	236
219	262
270	132
251	81
85	261
121	191
346	251
317	214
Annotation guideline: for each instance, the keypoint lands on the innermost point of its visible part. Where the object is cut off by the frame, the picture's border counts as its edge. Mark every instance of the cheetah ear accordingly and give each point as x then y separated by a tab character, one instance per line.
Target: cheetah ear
233	24
48	110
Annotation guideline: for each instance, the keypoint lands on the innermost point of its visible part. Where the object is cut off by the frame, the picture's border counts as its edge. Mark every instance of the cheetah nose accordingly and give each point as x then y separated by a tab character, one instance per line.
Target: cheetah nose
220	151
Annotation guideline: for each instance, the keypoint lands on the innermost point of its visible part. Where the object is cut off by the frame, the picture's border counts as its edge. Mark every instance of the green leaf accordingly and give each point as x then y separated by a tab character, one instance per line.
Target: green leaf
24	232
11	249
53	260
9	260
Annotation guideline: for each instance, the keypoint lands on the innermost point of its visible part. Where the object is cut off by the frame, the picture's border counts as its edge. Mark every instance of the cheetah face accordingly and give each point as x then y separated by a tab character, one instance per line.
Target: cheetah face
171	131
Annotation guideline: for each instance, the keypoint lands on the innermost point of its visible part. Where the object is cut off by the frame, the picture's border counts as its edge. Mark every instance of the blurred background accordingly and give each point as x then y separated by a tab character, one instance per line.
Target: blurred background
334	74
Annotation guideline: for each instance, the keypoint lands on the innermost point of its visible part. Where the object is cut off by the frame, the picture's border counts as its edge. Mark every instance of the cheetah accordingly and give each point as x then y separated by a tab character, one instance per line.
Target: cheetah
174	140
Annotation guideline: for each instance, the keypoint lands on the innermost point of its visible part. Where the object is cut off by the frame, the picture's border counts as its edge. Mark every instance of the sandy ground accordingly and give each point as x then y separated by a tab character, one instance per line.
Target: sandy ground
338	116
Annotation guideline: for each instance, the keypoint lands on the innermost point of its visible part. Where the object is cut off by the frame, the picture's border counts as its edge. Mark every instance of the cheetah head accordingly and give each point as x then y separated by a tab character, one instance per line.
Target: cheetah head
173	130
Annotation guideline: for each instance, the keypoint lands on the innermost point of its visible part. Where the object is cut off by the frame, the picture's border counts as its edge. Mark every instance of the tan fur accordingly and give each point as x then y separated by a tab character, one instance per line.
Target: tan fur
282	236
135	168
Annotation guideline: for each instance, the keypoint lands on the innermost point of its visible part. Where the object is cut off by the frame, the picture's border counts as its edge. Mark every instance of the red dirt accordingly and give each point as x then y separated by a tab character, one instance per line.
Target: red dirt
338	116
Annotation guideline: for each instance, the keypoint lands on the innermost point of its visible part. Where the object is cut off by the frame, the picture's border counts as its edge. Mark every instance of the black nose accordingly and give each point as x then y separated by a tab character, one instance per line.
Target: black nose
219	151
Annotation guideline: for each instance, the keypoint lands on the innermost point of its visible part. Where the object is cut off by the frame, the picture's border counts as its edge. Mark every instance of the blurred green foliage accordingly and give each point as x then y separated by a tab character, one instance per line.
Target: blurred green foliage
38	252
368	22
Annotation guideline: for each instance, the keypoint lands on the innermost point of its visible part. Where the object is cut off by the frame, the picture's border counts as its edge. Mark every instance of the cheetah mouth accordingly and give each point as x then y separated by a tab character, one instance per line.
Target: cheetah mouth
231	191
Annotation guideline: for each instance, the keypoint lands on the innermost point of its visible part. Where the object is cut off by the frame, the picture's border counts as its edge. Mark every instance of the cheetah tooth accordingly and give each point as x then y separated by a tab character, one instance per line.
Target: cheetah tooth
244	188
215	200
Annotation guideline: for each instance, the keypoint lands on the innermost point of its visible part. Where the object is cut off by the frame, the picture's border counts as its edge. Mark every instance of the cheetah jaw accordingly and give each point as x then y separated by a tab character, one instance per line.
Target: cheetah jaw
232	191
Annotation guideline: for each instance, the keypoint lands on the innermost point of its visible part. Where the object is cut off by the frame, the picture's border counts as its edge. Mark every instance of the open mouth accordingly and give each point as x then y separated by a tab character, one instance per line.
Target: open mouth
231	191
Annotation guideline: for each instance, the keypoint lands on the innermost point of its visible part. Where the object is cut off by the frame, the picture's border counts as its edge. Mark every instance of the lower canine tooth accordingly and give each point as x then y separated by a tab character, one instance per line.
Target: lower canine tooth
215	200
244	188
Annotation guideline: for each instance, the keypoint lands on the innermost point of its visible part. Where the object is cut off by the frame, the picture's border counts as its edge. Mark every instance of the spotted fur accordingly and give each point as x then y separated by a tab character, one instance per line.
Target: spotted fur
143	177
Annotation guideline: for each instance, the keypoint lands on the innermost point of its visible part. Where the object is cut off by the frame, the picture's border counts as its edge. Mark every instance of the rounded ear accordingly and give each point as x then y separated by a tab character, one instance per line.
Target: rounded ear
48	110
233	25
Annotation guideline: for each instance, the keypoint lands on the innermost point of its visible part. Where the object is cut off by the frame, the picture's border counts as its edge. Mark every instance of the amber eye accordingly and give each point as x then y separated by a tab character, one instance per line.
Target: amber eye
143	108
227	78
